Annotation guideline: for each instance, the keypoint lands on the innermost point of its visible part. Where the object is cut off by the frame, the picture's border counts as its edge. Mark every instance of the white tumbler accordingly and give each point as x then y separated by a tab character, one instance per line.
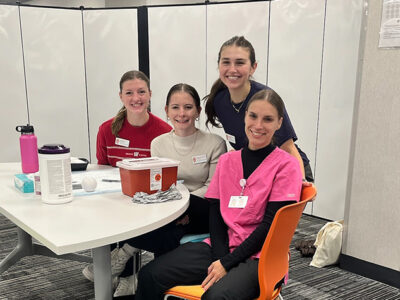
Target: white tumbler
55	174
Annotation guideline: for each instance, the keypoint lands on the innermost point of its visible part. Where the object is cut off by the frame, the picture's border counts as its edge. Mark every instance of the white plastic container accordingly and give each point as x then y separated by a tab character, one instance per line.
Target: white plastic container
55	174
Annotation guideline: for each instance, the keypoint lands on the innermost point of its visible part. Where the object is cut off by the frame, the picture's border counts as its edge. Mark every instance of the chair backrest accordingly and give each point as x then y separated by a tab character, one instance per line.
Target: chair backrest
274	262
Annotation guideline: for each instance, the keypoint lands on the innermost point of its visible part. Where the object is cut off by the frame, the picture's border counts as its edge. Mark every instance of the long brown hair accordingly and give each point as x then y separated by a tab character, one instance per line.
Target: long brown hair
121	115
238	41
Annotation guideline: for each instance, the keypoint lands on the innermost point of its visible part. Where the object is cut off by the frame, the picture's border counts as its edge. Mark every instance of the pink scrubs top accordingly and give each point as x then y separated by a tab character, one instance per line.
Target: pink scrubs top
277	178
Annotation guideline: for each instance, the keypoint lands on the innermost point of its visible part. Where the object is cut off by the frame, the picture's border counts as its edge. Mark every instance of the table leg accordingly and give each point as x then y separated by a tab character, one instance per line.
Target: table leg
102	273
23	248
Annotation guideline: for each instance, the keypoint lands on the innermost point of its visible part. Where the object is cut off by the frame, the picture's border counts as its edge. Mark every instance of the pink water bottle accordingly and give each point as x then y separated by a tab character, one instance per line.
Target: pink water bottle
29	150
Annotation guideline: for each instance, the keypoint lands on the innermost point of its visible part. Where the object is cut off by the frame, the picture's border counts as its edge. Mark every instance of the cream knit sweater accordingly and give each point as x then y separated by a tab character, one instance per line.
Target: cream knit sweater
198	154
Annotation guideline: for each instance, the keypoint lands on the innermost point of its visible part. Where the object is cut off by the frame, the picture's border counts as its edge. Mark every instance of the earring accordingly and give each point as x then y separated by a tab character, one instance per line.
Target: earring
198	118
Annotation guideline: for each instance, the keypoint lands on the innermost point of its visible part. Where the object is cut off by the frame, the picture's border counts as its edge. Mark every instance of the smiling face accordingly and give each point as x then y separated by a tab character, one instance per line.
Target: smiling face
261	122
182	112
135	95
235	67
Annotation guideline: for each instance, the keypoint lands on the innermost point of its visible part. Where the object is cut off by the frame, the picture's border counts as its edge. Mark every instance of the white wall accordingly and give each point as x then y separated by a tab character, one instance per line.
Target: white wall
63	3
111	49
55	76
227	20
372	231
296	36
13	103
58	60
176	51
339	72
306	50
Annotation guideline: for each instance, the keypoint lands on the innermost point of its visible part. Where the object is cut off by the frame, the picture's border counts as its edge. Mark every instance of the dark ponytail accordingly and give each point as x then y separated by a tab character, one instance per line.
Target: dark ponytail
209	100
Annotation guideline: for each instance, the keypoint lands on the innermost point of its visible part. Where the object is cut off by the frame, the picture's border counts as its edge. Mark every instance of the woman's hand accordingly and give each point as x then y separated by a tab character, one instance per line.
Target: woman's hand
306	183
215	272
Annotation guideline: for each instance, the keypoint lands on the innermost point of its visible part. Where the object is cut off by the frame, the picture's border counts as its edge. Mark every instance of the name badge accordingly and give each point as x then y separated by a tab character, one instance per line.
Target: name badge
121	142
231	138
199	159
238	201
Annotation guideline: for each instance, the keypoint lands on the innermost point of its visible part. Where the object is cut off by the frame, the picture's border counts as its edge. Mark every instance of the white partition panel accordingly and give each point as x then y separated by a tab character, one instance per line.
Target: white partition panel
342	35
13	110
55	76
177	37
227	20
111	47
296	35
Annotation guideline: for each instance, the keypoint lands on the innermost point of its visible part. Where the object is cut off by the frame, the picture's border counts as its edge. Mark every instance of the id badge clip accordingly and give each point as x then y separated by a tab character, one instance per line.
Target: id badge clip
239	201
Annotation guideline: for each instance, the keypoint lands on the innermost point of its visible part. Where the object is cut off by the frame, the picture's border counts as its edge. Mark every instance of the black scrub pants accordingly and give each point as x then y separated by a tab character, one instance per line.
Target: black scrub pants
167	238
187	265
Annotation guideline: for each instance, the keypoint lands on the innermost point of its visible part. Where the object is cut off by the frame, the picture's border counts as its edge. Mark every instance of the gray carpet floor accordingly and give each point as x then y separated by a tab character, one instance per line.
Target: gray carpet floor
39	277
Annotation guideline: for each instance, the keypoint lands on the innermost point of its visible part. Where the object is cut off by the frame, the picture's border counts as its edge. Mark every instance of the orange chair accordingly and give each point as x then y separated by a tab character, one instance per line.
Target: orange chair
273	264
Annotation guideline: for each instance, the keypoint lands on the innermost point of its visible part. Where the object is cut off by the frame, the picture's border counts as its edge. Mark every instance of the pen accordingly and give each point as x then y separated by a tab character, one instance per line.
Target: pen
111	180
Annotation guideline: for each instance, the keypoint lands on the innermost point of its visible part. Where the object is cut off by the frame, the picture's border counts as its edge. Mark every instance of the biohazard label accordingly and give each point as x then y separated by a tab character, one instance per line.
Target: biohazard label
155	179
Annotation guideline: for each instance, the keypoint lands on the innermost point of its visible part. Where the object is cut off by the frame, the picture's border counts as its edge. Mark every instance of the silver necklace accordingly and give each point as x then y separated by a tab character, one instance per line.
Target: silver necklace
191	149
234	107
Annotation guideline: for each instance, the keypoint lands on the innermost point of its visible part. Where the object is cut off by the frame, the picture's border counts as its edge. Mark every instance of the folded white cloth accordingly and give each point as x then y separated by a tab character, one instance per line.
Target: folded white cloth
161	196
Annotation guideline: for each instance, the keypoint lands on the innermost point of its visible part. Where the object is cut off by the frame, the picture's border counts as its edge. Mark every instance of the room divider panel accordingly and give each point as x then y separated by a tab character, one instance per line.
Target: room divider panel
12	86
111	49
296	35
55	75
177	50
227	20
306	50
338	87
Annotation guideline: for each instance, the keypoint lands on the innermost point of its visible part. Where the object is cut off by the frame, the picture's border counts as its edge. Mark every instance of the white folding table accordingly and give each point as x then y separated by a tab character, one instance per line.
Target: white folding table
88	222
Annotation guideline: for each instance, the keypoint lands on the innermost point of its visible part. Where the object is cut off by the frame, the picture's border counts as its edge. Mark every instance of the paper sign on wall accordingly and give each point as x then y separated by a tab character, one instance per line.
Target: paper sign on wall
389	35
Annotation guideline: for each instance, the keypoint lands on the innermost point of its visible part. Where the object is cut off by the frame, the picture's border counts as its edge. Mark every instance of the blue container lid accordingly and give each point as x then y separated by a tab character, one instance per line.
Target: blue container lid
53	149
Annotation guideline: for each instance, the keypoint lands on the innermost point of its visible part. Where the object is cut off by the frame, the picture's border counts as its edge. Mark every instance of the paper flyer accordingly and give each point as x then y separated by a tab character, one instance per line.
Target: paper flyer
389	35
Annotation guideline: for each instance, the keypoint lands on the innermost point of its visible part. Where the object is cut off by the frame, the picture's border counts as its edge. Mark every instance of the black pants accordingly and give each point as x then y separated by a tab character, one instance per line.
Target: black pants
166	238
187	265
308	173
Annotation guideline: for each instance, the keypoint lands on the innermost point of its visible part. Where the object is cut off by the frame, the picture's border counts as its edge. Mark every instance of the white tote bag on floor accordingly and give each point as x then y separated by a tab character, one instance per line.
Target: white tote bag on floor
328	244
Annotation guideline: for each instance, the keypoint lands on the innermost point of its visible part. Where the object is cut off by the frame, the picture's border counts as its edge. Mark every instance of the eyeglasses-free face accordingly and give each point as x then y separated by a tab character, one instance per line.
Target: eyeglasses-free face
235	67
135	96
261	121
182	112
